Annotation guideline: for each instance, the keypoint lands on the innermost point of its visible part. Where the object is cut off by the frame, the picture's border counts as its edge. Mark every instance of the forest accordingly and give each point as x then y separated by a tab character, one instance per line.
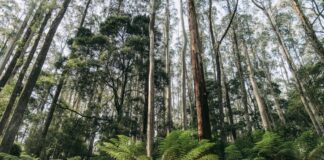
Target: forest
162	79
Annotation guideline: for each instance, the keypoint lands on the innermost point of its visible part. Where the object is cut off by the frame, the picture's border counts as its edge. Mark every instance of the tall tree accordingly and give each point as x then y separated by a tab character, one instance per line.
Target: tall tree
22	103
183	68
167	89
308	27
203	123
150	111
23	45
308	104
19	83
14	42
256	92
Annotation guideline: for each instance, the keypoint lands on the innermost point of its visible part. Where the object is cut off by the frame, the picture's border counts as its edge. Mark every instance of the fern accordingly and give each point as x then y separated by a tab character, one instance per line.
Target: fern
272	146
124	148
183	145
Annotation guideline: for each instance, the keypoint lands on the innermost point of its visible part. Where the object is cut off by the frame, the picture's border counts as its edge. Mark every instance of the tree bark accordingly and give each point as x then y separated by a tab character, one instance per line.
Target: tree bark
150	113
308	27
19	83
167	88
22	103
183	69
256	91
203	123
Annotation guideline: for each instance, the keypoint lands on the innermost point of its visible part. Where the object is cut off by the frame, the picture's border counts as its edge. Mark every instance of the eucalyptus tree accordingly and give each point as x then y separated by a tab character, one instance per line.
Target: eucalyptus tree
204	130
21	106
150	111
183	68
309	30
304	96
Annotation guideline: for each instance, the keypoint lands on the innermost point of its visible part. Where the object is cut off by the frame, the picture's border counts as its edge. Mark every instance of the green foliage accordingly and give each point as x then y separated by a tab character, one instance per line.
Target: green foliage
273	146
4	156
124	148
184	145
15	150
233	153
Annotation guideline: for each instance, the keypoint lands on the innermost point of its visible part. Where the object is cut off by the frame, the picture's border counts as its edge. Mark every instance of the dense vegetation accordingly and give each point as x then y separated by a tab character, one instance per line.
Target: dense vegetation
169	80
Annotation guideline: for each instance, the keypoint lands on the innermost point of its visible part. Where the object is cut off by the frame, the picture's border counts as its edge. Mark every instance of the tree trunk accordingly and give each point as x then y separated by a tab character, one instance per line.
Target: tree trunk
15	40
204	130
244	97
41	151
22	47
167	89
150	111
183	69
218	82
227	100
308	27
309	106
84	14
275	97
256	91
22	103
19	83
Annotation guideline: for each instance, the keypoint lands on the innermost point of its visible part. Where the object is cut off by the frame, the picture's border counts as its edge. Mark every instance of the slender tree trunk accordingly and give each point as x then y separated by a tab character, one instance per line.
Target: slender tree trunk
22	47
275	97
183	69
167	89
218	82
13	44
84	14
228	102
308	27
21	107
150	113
204	130
145	109
309	106
244	97
256	91
19	83
41	151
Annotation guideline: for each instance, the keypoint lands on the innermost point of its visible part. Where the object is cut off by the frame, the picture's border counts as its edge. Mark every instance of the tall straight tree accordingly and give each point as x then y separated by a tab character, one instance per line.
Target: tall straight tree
19	83
23	45
256	92
167	89
203	123
22	103
150	111
308	27
15	40
183	68
308	104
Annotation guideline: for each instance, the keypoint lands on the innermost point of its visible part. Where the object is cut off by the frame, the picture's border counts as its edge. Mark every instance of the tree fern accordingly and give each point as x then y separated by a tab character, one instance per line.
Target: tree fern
124	148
